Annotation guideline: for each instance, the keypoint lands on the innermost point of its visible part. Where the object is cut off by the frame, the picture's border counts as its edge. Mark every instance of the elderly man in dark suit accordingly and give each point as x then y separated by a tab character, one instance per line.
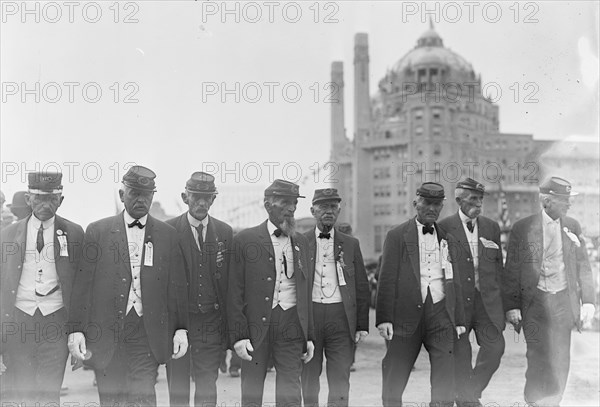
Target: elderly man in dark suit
129	303
478	257
340	295
548	290
205	242
40	256
419	300
269	302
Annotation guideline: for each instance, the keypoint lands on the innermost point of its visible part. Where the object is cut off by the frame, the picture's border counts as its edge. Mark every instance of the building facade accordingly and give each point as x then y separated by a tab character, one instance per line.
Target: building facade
428	121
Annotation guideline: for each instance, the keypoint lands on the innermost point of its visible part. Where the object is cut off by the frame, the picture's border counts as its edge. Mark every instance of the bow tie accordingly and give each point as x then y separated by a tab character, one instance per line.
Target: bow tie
136	223
278	232
427	229
324	235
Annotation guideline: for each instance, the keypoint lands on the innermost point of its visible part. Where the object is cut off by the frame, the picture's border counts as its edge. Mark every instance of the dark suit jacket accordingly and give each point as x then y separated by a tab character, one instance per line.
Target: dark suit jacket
355	294
252	282
524	265
13	241
219	237
490	266
399	286
101	289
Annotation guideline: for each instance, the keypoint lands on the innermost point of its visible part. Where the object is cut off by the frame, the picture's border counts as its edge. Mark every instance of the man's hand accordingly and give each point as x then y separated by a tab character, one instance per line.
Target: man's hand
460	330
242	348
180	343
76	345
386	330
514	316
587	315
359	336
310	351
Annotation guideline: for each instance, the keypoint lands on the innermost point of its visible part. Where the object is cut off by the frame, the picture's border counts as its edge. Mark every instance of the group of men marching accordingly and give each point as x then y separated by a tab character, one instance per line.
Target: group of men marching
133	292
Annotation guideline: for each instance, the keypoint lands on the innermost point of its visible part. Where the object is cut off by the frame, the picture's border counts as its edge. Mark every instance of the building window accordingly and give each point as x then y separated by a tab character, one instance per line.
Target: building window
436	113
437	150
419	130
418	114
388	134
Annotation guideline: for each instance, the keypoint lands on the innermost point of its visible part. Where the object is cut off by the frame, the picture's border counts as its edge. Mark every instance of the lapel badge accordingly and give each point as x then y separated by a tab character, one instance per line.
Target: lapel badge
59	232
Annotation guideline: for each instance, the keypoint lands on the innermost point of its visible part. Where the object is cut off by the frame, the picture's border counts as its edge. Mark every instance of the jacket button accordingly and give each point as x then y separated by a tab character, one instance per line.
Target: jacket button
419	306
18	267
120	312
267	298
468	298
264	319
216	306
270	259
269	279
468	278
124	280
122	295
469	259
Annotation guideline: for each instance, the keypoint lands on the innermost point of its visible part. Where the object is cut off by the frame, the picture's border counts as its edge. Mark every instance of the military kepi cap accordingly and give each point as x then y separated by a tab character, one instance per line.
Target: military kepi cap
327	194
201	183
44	183
557	186
18	201
471	184
281	187
431	190
141	178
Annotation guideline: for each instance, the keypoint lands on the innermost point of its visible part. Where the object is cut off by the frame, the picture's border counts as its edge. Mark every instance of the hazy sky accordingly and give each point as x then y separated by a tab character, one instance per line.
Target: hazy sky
177	61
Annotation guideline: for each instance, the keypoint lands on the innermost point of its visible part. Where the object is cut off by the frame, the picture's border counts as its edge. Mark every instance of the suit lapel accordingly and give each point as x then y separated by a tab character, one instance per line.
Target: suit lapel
297	249
412	242
189	243
535	237
312	245
119	243
213	240
567	244
21	241
60	261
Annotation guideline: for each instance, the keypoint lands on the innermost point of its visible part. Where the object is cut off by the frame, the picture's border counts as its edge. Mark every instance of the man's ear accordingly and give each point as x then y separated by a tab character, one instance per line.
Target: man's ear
121	195
184	198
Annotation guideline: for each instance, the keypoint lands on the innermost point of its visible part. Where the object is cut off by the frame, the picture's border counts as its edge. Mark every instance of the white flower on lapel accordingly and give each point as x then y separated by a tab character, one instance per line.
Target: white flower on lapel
572	236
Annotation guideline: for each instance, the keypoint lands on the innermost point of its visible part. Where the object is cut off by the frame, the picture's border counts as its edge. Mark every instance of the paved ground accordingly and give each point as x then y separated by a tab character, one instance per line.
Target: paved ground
505	389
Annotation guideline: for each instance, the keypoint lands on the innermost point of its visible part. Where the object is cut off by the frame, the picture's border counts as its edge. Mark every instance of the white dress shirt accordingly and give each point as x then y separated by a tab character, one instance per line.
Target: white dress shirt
39	272
194	223
284	294
326	288
432	276
473	240
135	242
552	277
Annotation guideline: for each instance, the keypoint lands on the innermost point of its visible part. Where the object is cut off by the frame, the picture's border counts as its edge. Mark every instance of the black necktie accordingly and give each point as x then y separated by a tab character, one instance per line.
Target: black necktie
470	226
136	223
200	228
40	239
278	232
324	235
427	229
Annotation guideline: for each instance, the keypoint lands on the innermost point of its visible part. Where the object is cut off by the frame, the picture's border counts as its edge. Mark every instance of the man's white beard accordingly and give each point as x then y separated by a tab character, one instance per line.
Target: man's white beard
288	226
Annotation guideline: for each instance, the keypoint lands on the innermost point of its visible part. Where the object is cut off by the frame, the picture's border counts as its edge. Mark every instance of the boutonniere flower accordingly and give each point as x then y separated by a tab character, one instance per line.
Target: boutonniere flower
572	236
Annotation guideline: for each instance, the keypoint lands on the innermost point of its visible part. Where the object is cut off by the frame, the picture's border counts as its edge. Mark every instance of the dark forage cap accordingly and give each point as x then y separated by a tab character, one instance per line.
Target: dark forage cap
201	183
281	187
431	190
470	183
557	186
327	194
18	200
45	182
141	178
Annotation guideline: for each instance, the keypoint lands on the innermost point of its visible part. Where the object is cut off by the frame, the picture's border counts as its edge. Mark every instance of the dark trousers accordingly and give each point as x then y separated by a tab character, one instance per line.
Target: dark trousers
547	327
471	381
285	341
202	360
332	335
130	376
35	357
436	332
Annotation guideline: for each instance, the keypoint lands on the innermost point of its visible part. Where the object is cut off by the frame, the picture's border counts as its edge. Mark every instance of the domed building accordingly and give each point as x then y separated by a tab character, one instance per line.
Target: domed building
428	121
